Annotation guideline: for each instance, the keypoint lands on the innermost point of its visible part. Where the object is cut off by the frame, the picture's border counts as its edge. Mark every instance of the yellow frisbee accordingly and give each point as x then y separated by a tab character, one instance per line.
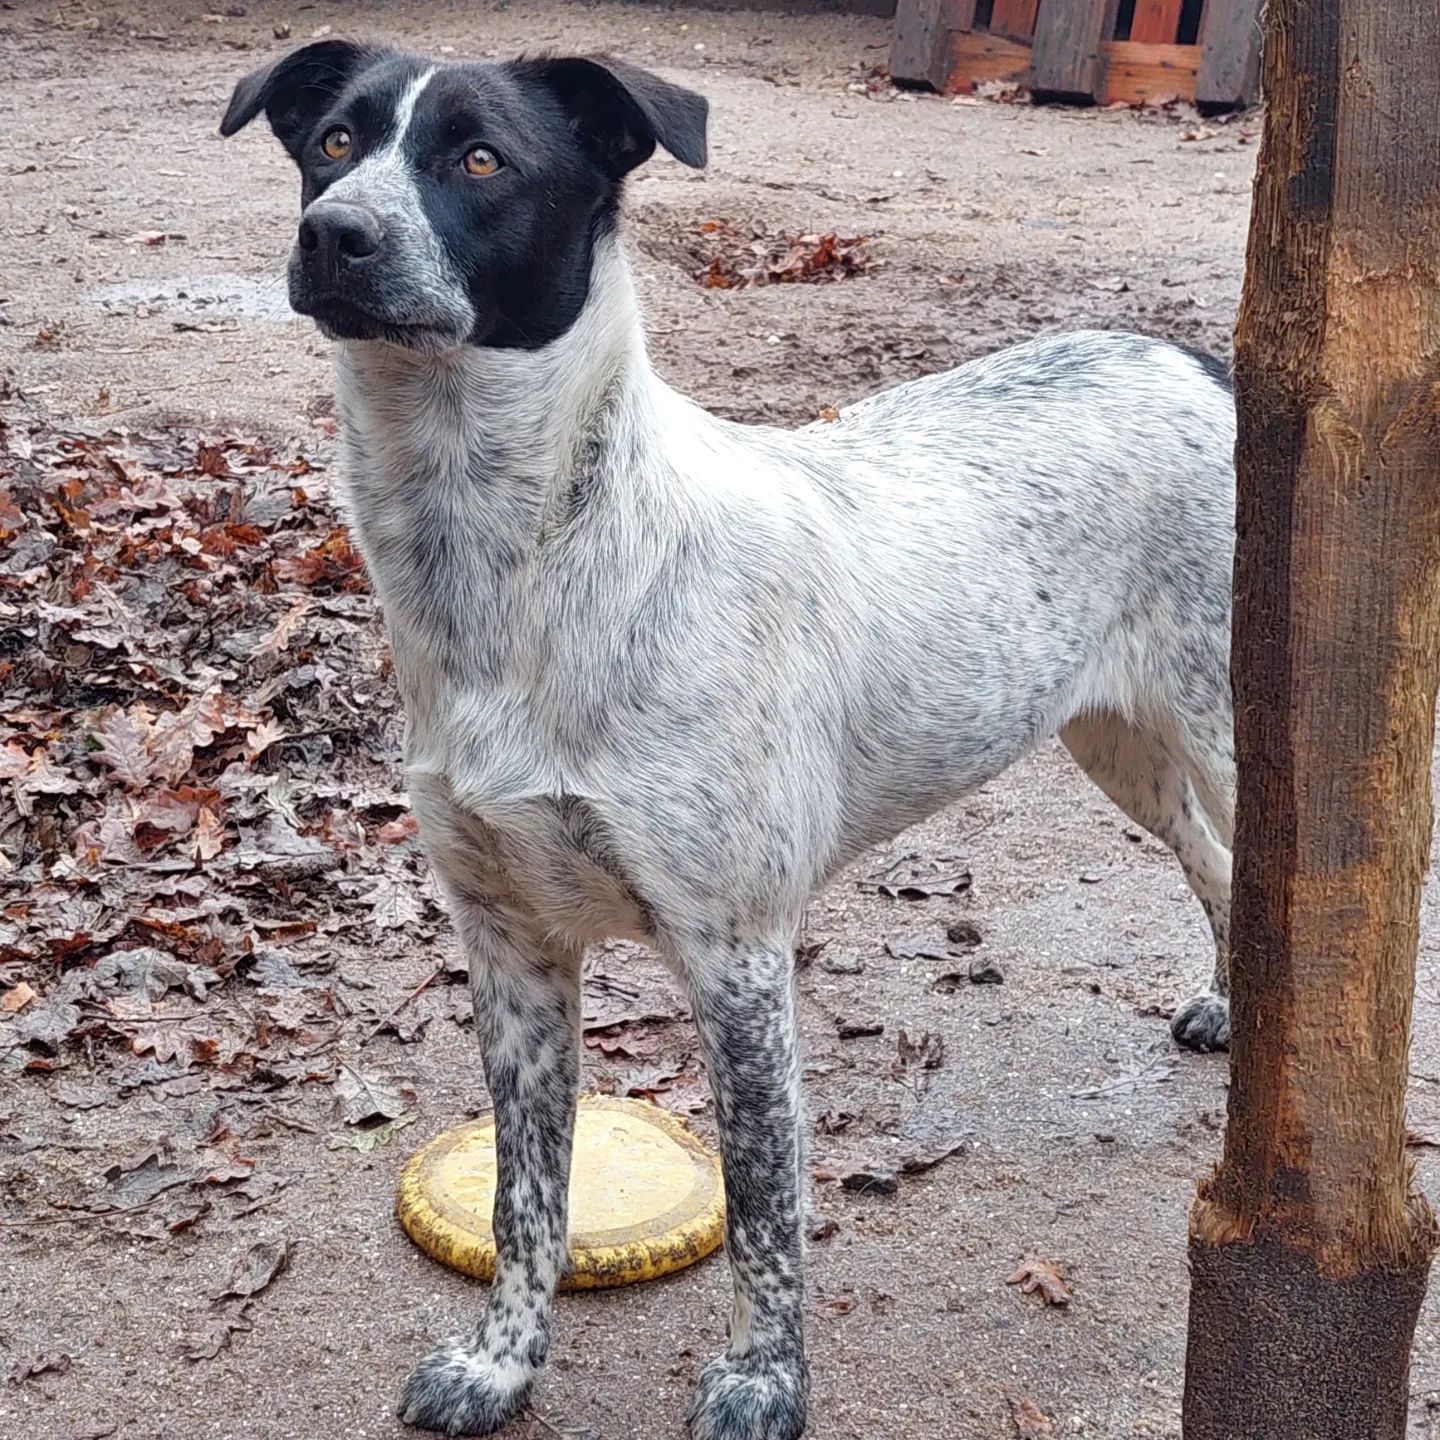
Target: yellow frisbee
646	1197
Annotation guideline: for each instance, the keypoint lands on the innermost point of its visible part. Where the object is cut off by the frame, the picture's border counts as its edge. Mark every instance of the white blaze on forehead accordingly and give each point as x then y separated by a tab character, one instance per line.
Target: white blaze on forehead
382	178
405	110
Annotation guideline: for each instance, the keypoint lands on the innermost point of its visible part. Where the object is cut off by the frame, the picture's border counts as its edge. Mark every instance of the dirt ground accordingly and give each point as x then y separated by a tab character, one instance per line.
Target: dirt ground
1085	1127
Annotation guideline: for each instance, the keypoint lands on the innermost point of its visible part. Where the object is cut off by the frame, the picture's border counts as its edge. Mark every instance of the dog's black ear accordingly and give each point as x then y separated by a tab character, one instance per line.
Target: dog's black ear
295	91
621	112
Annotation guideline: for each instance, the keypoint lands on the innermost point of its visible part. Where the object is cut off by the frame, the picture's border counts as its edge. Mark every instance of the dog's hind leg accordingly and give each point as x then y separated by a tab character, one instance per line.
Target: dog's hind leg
744	1003
527	1014
1181	789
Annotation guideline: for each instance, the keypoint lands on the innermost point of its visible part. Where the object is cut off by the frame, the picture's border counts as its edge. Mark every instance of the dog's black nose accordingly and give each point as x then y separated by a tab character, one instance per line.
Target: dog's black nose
335	234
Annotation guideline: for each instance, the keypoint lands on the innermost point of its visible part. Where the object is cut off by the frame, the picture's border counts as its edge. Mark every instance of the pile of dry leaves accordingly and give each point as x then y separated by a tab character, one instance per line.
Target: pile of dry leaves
197	751
209	880
733	257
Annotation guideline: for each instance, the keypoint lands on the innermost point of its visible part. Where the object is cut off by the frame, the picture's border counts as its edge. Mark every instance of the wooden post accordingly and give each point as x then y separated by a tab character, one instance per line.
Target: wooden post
922	45
1309	1246
1065	59
1229	71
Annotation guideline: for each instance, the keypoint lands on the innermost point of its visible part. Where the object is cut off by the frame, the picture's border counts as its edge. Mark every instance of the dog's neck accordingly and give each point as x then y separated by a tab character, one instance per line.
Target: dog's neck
525	422
460	467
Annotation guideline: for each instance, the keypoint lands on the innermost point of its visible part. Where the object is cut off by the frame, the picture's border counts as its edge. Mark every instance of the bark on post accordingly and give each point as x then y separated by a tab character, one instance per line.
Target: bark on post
1309	1246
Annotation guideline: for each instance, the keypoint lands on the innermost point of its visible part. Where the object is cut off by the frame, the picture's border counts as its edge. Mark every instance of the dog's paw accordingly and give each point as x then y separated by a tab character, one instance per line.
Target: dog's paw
751	1399
460	1391
1203	1023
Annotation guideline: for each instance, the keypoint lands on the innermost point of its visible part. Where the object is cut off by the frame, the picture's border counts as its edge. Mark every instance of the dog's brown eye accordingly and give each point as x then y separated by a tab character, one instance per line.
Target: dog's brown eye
481	161
336	144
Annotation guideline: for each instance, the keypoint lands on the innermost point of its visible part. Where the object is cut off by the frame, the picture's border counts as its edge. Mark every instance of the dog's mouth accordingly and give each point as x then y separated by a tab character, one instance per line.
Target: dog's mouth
349	313
342	319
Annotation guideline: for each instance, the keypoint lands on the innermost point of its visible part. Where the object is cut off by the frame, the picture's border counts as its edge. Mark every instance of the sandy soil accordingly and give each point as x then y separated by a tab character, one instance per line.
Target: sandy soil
1086	1128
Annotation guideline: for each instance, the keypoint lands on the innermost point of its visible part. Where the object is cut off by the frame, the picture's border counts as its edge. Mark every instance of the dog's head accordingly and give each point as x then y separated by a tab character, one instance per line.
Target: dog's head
445	204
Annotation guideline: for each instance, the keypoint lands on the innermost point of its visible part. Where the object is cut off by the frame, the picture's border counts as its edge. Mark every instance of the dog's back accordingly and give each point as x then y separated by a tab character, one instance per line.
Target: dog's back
988	552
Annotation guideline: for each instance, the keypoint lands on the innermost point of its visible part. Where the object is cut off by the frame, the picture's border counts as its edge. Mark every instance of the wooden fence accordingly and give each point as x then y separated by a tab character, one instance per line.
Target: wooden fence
1106	51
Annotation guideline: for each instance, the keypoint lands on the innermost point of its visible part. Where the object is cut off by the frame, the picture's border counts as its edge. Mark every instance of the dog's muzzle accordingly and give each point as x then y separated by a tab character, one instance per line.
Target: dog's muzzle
338	251
363	274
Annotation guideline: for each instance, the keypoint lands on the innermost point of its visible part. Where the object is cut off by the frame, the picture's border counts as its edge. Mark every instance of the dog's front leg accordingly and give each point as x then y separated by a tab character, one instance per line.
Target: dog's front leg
744	1003
527	1016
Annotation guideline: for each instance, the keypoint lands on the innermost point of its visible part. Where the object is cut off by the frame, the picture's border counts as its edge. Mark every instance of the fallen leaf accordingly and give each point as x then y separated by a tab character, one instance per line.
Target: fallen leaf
123	740
47	1023
209	838
963	932
910	878
395	905
272	971
82	1097
369	1138
17	998
212	1333
395	832
917	947
926	1053
732	258
633	1042
185	1041
1029	1420
870	1180
143	971
228	1171
263	737
927	1140
819	1228
137	1181
1035	1273
286	626
984	971
366	1096
52	1362
808	951
254	1271
289	1009
682	1089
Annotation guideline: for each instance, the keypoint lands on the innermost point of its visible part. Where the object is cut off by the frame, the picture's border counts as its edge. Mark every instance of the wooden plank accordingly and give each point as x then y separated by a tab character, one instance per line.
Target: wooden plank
1135	73
1156	22
1014	19
1229	72
923	39
988	57
1065	59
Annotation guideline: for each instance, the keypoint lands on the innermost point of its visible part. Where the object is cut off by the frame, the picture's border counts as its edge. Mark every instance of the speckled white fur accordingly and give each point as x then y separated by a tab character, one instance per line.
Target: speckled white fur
665	674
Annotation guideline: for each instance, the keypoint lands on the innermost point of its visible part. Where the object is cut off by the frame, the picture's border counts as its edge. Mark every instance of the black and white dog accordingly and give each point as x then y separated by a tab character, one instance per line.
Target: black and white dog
664	674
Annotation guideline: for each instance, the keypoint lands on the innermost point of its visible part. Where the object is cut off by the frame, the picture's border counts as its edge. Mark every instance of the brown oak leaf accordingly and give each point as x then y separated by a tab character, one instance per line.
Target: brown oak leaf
124	738
1035	1273
1029	1420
